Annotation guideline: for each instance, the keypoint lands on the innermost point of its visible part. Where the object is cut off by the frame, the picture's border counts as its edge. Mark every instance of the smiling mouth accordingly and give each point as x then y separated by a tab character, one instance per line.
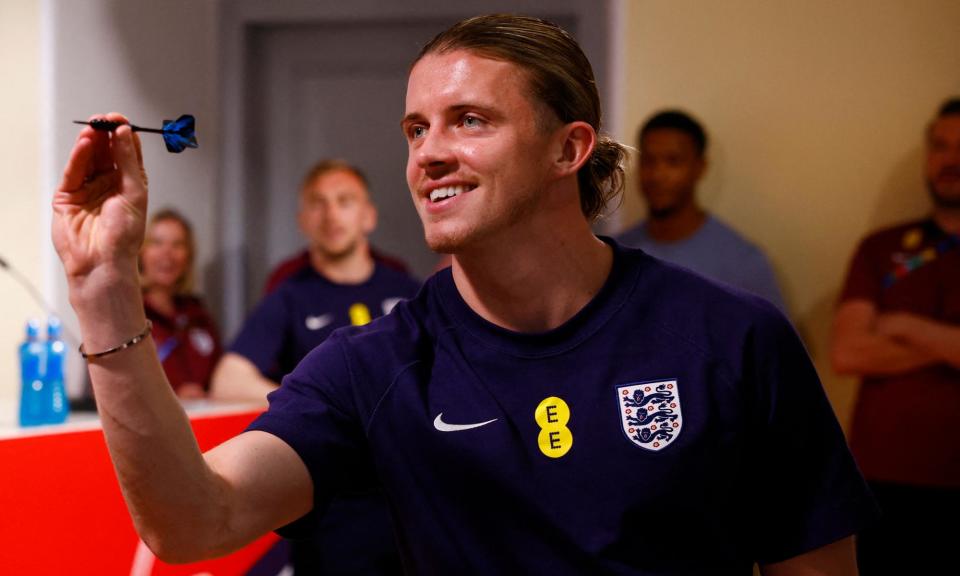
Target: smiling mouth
448	192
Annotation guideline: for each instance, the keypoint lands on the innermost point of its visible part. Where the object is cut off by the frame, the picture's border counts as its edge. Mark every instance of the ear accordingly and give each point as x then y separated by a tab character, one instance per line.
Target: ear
302	220
369	219
702	166
575	143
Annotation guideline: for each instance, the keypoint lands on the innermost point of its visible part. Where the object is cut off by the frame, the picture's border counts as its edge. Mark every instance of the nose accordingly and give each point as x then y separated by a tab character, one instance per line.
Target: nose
435	153
330	214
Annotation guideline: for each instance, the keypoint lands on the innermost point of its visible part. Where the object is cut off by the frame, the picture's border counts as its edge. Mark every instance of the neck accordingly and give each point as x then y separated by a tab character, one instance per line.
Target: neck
160	299
555	266
352	268
948	219
677	225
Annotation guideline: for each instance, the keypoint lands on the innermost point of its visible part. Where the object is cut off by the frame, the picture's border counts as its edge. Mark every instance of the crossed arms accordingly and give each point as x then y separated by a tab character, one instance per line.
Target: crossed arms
867	342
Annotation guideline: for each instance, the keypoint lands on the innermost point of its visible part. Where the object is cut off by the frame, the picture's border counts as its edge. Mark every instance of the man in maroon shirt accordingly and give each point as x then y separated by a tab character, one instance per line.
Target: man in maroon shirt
898	328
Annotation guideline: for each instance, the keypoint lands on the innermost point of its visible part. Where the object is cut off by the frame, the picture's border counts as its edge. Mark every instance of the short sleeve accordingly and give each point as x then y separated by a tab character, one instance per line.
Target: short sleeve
809	490
760	279
863	280
320	424
264	335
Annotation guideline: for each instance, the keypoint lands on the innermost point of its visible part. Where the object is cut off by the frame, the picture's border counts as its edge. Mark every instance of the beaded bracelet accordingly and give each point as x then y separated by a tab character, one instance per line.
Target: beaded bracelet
131	342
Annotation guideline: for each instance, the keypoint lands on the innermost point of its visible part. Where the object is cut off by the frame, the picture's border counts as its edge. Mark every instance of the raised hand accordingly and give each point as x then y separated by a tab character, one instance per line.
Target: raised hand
99	209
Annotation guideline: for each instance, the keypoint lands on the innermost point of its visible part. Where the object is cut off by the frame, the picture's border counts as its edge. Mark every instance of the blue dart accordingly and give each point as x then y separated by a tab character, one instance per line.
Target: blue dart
177	134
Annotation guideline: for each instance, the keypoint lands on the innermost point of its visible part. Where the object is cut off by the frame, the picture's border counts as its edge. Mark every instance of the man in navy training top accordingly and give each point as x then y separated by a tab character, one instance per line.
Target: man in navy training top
342	286
672	161
551	404
314	226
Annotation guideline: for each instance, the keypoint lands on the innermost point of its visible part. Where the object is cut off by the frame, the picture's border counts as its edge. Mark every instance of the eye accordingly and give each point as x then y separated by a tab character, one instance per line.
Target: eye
417	131
472	121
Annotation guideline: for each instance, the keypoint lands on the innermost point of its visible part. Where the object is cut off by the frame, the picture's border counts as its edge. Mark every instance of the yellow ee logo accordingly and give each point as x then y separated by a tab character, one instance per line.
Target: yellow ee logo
359	314
555	439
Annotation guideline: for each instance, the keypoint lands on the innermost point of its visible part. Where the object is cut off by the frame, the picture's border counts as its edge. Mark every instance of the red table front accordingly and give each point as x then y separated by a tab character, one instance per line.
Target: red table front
63	512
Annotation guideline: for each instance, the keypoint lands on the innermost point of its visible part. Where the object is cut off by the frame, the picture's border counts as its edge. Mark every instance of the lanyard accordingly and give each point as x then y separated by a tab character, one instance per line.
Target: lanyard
920	259
164	350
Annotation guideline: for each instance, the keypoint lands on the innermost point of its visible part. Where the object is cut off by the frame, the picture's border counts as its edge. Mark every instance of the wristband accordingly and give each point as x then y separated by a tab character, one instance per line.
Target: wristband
131	342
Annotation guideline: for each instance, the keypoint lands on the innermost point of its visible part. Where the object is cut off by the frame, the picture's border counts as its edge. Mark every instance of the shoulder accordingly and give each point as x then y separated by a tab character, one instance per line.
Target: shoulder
634	236
716	230
197	315
713	317
897	235
191	304
285	270
389	261
387	276
304	280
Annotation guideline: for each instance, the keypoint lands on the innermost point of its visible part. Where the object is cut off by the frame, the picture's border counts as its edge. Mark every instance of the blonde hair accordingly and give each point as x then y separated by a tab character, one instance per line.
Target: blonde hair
324	167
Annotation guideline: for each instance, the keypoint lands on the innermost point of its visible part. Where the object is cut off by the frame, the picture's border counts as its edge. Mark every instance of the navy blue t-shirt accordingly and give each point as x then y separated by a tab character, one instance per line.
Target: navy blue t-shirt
306	308
672	426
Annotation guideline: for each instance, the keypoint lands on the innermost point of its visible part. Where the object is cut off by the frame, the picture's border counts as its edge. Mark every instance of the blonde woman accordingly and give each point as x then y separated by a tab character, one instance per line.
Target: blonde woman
186	337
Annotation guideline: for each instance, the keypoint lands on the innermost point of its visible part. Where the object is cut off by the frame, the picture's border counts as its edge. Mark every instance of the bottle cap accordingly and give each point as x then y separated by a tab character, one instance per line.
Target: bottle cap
33	328
54	327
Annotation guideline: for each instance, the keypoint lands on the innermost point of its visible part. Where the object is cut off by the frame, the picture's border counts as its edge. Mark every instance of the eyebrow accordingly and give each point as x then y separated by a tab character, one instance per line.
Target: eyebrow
413	116
416	116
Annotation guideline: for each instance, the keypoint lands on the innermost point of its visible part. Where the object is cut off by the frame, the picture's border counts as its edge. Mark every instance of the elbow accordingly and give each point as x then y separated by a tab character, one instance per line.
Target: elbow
843	362
175	549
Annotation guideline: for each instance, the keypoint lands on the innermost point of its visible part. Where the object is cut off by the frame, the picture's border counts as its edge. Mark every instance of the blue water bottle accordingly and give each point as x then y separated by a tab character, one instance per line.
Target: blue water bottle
33	396
59	407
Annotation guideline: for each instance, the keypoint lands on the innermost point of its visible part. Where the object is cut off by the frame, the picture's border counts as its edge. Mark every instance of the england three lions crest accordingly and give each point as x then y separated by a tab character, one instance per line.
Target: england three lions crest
650	413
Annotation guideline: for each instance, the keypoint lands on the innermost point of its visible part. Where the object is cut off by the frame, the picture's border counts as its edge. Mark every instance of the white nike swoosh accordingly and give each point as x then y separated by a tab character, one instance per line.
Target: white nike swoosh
318	322
442	426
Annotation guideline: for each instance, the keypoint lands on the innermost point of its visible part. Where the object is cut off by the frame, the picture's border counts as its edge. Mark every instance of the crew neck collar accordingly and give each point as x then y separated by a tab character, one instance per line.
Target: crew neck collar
604	305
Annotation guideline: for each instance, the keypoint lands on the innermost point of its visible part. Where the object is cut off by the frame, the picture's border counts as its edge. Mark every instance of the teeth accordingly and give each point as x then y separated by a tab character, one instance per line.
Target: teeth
446	192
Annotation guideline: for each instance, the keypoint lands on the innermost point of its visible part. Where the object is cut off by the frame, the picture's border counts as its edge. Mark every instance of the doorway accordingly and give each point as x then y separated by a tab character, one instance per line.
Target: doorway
309	81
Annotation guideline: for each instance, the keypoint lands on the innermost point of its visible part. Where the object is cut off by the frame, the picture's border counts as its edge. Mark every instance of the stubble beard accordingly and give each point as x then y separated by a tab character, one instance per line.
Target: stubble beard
460	238
338	255
943	200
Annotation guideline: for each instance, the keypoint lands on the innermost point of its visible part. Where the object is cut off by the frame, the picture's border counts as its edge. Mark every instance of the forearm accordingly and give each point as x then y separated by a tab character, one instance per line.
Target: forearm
836	559
937	339
167	485
238	379
185	505
860	347
872	355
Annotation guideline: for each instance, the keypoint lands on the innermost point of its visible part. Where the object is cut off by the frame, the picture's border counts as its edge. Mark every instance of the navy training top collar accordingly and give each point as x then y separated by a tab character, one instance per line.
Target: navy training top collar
612	296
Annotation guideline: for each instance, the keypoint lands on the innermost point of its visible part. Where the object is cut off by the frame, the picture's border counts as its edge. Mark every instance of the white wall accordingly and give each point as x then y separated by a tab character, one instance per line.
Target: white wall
816	110
150	61
21	216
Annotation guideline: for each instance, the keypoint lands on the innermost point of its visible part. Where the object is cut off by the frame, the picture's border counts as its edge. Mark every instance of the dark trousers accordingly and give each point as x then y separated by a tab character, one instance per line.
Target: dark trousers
918	532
